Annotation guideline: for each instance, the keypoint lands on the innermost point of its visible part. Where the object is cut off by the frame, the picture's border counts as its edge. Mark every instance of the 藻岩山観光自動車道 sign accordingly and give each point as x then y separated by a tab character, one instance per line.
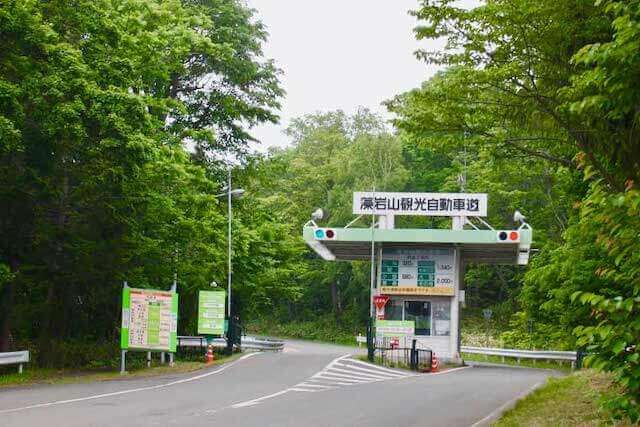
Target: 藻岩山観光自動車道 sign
424	204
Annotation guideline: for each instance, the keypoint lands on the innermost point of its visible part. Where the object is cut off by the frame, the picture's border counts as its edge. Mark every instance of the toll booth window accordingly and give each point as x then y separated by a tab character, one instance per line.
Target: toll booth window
393	310
420	312
442	318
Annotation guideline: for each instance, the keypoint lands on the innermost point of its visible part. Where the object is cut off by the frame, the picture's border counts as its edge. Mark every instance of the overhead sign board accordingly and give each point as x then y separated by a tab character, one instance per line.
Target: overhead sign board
395	328
211	305
423	204
149	320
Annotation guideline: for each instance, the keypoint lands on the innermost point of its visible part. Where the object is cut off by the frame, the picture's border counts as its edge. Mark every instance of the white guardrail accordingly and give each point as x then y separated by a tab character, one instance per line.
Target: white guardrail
570	356
15	358
248	342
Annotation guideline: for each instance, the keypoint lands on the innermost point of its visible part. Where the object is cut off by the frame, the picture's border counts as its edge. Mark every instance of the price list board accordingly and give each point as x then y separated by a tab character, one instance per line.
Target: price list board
211	305
418	272
390	270
149	320
426	273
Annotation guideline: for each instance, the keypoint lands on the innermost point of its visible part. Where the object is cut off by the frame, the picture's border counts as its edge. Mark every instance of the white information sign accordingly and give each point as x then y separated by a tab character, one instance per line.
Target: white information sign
423	204
151	320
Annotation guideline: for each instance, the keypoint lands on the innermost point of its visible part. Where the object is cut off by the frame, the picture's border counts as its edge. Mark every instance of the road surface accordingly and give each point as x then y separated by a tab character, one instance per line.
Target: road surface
307	385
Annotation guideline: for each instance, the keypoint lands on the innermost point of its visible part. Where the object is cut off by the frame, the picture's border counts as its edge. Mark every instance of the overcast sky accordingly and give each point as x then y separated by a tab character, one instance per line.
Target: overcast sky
339	54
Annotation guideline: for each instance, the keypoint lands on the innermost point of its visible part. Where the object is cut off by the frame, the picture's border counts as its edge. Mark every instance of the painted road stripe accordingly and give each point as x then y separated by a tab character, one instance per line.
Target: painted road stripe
331	377
363	375
376	367
348	376
269	396
372	371
298	388
259	399
129	391
495	414
305	384
331	382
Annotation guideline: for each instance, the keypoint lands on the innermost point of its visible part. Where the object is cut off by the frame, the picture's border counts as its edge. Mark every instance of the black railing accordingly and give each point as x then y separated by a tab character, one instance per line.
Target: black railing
388	353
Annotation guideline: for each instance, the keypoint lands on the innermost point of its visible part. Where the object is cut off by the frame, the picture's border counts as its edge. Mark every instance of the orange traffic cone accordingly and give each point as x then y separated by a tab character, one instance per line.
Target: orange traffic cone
209	357
434	363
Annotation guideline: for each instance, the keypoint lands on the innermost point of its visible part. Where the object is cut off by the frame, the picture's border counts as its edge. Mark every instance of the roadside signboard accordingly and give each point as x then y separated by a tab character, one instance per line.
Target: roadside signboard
423	204
395	328
418	272
149	320
211	305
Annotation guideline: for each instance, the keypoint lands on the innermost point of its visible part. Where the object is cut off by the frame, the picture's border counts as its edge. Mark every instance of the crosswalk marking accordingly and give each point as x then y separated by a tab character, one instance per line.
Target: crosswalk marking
370	376
315	385
341	376
333	377
379	368
369	371
346	371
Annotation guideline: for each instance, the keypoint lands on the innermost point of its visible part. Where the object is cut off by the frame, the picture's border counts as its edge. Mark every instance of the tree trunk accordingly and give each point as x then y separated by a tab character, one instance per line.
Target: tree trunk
6	304
335	299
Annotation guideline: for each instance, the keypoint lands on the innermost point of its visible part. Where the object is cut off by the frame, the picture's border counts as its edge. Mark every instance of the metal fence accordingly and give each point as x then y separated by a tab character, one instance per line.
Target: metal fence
569	356
15	358
402	353
197	343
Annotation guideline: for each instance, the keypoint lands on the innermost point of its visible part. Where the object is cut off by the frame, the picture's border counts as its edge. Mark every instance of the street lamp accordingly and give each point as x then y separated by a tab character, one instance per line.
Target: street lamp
238	193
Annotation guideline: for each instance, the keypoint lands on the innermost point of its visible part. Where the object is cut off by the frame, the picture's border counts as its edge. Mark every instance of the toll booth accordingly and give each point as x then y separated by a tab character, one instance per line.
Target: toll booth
419	273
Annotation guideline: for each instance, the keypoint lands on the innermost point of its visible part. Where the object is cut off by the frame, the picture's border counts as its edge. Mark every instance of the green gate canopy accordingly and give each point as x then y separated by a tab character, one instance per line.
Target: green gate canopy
478	246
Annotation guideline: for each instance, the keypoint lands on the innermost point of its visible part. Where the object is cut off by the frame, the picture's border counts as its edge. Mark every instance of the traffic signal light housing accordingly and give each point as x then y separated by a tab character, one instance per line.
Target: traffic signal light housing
508	236
325	234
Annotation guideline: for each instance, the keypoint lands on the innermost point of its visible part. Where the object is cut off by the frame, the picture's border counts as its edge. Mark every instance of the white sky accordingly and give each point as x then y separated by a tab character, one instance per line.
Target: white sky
339	54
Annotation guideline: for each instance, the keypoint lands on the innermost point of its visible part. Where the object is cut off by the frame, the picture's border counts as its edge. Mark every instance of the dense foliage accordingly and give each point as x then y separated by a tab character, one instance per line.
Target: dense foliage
97	99
550	86
115	116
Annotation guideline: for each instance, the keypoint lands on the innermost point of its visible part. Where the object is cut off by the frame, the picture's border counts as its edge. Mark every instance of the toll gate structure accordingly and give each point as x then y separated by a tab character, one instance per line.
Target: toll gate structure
420	272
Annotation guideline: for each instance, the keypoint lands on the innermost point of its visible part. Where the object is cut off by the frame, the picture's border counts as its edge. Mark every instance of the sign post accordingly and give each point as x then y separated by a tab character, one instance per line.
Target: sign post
149	321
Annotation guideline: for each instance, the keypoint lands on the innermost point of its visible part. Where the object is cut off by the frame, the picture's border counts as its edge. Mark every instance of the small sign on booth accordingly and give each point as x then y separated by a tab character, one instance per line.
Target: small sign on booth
380	301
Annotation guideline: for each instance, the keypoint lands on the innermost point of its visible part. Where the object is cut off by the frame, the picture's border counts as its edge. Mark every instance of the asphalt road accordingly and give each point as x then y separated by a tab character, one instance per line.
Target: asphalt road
307	385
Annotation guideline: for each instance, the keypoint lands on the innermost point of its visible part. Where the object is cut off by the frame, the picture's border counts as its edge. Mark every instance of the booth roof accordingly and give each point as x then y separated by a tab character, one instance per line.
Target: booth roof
477	246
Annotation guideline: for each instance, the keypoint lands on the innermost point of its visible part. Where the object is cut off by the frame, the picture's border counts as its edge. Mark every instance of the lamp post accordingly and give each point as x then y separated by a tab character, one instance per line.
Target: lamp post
238	192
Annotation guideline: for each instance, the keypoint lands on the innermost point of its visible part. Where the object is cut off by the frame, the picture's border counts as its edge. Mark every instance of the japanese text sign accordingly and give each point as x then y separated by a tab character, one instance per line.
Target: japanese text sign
149	319
211	305
423	204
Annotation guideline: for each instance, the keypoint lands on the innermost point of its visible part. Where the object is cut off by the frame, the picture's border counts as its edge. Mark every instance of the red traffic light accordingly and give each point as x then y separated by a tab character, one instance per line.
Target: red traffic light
508	236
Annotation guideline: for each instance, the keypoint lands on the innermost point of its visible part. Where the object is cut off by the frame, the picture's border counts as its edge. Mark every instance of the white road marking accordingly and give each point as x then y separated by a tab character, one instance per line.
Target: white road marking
259	399
129	391
367	376
371	365
373	371
498	411
330	377
353	377
315	385
302	389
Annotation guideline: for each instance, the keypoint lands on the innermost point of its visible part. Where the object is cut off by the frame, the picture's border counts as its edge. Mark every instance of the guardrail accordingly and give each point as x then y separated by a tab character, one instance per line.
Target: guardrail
253	343
570	356
15	357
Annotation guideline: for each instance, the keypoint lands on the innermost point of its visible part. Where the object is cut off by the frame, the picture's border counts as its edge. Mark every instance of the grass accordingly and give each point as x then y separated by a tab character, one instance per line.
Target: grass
529	363
567	401
36	375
